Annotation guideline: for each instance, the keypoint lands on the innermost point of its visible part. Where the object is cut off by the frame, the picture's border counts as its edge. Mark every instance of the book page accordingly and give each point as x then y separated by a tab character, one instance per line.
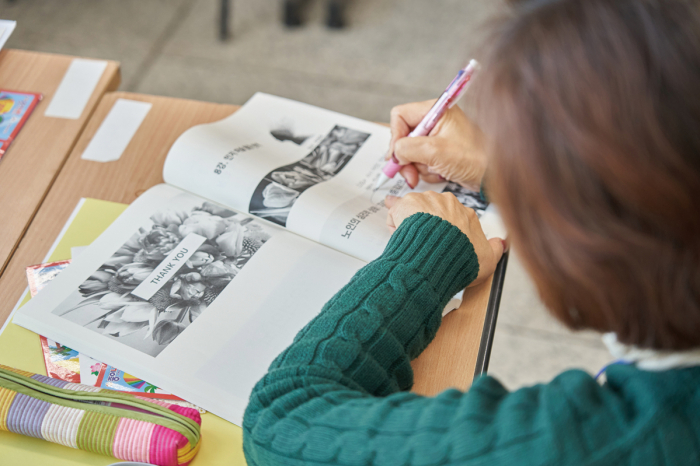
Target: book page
309	170
195	298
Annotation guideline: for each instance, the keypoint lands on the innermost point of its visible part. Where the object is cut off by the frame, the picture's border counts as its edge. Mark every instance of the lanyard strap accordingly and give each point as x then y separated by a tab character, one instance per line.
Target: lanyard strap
605	368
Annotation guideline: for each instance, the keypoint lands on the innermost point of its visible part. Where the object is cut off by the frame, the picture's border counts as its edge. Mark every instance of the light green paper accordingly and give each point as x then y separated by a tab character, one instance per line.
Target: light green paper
19	347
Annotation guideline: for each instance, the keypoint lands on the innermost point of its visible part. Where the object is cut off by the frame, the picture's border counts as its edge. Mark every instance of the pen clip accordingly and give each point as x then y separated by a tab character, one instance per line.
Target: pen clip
455	80
460	92
468	74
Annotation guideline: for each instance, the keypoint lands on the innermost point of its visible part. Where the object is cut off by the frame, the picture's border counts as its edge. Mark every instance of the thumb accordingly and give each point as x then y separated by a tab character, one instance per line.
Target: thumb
411	175
420	149
498	246
390	200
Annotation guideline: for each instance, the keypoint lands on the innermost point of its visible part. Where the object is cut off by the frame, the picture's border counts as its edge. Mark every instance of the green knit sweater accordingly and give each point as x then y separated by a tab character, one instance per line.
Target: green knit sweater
338	395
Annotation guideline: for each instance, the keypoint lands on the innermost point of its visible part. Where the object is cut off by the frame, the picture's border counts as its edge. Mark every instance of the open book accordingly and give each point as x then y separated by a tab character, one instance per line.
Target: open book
203	280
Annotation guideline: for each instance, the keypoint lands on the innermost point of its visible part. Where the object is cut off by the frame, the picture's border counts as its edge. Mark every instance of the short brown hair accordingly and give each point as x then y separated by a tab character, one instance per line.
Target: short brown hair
592	110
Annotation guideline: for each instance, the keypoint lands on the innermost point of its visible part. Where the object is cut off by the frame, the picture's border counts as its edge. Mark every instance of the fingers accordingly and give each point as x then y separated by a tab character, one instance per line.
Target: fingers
390	222
428	175
413	173
422	149
488	258
401	208
409	115
390	201
410	174
499	247
406	117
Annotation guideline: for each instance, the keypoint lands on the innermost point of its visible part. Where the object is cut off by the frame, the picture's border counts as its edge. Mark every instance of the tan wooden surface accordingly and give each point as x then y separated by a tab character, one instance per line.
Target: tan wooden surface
448	362
38	152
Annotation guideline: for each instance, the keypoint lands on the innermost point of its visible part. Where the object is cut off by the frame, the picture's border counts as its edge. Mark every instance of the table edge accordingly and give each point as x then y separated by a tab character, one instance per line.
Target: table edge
489	330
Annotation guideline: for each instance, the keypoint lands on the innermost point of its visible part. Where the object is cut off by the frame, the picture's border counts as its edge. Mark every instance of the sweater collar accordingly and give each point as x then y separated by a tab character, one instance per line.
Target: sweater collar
650	359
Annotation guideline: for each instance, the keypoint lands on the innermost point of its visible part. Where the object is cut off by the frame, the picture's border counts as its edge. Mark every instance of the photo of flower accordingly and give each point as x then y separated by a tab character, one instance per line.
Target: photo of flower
95	368
105	303
279	190
467	197
284	133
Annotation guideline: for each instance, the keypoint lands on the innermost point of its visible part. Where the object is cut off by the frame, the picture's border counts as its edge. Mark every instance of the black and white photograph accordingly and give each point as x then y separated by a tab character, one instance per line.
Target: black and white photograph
278	191
467	197
105	302
285	133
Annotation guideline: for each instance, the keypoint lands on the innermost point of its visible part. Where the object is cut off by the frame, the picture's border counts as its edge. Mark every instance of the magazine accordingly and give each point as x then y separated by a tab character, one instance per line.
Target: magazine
205	279
15	108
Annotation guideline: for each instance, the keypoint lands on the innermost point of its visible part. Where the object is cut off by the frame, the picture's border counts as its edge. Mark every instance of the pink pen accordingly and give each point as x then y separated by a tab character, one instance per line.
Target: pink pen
448	98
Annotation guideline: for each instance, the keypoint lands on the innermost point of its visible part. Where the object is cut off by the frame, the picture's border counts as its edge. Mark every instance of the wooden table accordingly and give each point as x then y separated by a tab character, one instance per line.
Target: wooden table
37	154
458	351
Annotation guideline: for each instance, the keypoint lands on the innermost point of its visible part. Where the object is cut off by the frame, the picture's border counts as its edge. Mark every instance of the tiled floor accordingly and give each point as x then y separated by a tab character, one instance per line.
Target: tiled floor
394	51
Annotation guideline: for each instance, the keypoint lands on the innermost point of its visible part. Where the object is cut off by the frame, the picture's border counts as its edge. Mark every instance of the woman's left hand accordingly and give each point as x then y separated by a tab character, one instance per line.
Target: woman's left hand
447	207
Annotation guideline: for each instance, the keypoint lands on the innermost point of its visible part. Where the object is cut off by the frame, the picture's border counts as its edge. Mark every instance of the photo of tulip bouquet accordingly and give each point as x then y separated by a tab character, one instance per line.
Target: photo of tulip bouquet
105	303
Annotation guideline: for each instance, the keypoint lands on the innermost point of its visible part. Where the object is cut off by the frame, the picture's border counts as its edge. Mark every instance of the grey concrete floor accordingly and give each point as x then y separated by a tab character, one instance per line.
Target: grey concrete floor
394	51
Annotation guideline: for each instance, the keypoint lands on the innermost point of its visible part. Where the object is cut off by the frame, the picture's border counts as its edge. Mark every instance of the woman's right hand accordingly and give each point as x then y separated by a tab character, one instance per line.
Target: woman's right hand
453	150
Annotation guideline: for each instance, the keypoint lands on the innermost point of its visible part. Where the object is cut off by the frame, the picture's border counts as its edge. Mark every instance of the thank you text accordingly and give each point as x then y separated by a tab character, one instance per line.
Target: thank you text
169	266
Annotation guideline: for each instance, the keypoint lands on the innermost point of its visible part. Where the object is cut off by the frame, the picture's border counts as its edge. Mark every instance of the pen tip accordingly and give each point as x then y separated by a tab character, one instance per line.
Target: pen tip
380	182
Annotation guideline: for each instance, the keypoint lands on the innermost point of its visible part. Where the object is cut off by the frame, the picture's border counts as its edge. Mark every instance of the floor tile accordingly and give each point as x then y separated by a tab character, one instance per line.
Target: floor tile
408	43
124	30
520	358
223	82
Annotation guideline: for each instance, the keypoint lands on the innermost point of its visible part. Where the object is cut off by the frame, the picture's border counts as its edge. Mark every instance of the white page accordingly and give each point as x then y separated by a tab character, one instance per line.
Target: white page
308	169
76	251
239	322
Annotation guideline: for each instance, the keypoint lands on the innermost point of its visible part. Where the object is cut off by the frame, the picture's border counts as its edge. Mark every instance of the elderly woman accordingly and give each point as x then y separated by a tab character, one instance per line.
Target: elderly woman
590	128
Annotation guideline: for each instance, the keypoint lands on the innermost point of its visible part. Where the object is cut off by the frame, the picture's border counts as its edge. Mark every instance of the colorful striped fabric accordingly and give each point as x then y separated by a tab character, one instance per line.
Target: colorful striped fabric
117	424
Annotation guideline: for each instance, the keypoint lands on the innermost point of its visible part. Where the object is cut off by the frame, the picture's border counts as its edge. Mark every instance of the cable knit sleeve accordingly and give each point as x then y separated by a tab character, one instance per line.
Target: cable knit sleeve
338	394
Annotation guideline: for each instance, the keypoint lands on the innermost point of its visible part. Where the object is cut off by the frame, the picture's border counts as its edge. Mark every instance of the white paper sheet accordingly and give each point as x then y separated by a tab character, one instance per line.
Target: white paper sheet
76	88
6	28
76	251
117	129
